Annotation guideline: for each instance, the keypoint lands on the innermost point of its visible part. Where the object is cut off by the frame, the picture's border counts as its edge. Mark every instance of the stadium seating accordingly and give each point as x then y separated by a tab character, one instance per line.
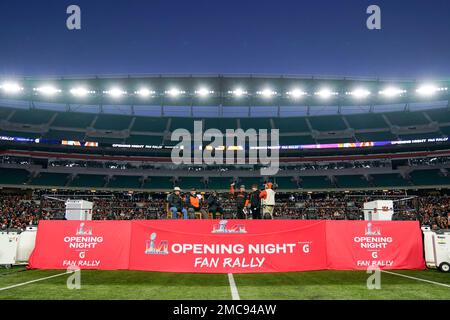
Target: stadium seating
414	136
429	177
13	176
65	135
125	182
154	183
366	121
5	112
285	183
375	136
327	123
32	116
296	140
255	123
141	139
220	123
88	181
295	124
405	119
112	122
73	119
351	181
186	183
184	123
249	181
389	180
219	183
50	179
315	182
440	115
149	124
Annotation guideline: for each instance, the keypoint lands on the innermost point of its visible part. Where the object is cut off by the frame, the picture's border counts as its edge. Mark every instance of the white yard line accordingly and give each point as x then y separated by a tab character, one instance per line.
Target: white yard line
233	288
32	281
418	279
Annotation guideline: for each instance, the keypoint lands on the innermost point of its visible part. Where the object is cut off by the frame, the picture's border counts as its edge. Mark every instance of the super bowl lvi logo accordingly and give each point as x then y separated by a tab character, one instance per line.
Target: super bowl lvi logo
223	228
152	248
83	230
372	231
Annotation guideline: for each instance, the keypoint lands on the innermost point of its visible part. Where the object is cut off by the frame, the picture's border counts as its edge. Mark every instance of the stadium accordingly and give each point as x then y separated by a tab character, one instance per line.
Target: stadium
108	141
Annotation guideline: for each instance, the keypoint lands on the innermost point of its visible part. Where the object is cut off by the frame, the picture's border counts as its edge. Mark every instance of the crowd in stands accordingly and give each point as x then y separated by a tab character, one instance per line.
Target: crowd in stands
19	211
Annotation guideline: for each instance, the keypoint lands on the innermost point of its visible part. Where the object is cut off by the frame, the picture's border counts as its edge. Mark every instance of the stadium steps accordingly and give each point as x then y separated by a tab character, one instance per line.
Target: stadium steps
439	115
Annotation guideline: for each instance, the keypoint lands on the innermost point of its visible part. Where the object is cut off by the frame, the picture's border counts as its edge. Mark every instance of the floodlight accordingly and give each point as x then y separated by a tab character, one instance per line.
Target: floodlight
359	93
144	92
429	90
203	92
174	92
47	90
11	87
115	92
325	93
80	92
392	92
238	92
267	93
296	93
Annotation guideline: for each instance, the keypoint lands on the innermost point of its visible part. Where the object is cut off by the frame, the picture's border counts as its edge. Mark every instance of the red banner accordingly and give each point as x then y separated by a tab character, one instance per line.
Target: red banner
382	244
227	246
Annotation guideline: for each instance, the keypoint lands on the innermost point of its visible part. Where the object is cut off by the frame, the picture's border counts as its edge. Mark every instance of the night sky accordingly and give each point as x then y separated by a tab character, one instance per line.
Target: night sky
262	37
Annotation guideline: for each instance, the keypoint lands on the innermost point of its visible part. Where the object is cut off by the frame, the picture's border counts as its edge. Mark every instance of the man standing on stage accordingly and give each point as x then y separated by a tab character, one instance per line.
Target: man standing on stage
268	200
255	202
241	198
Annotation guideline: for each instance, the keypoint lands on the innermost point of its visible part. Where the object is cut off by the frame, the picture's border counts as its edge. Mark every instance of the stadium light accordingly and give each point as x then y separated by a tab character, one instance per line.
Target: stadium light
203	92
296	93
174	92
144	92
392	92
359	93
429	90
80	92
47	90
115	92
325	93
267	93
11	87
238	92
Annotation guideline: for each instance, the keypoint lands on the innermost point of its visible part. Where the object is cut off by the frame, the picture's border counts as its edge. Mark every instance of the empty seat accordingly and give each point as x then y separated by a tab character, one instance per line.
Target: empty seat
13	176
158	183
429	177
315	182
387	180
125	182
50	179
73	120
112	122
327	123
352	181
88	181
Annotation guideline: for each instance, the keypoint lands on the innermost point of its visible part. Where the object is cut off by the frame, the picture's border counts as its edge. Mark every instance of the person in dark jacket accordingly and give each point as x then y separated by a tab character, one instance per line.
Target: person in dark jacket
255	202
214	205
176	203
241	199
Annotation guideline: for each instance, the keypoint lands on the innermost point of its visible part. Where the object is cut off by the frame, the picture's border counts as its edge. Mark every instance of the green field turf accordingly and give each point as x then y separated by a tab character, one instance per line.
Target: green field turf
342	285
